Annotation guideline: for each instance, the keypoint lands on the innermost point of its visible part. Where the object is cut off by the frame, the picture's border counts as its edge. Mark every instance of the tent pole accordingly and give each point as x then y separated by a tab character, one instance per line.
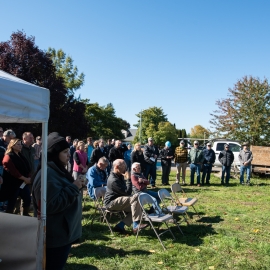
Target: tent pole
41	262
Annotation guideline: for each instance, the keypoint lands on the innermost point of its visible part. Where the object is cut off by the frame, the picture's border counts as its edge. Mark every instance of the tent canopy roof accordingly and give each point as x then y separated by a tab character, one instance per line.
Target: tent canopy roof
22	102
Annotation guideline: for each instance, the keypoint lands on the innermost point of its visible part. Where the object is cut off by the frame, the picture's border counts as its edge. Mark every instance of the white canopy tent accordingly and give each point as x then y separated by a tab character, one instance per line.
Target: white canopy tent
23	102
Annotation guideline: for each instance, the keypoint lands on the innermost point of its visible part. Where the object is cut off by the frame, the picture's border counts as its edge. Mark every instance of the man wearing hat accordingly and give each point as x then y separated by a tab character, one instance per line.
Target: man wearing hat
181	160
226	159
245	157
151	154
209	160
166	156
195	159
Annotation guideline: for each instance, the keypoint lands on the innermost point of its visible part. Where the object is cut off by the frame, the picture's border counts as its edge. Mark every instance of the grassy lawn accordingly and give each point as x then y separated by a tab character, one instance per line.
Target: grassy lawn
233	233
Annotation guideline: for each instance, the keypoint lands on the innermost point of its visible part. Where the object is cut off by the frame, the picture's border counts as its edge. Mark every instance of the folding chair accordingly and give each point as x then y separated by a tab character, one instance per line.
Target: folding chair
183	201
172	206
103	211
146	201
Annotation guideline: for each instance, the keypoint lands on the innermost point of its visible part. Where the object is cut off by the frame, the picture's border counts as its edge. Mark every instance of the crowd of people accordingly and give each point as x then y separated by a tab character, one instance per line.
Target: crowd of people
71	165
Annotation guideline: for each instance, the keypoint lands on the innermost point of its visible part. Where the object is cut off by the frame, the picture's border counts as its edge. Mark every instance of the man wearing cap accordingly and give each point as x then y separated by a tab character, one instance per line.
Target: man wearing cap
181	160
166	155
151	154
226	159
195	159
245	157
209	160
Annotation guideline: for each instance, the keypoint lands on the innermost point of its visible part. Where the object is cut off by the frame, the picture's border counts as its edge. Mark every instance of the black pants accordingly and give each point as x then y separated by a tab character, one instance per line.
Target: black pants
56	257
166	169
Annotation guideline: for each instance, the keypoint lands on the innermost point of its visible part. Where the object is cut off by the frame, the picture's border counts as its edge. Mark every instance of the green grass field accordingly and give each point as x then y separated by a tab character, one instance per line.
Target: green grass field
233	233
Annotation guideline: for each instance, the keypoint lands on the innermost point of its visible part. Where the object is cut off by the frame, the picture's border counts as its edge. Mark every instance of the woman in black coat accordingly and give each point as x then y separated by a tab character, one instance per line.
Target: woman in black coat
137	156
15	177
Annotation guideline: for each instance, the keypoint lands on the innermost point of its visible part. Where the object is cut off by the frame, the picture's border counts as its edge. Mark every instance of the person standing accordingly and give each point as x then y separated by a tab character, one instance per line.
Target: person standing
98	153
80	160
127	157
166	155
181	161
28	151
195	159
72	150
245	157
68	139
226	159
137	156
117	152
90	148
151	154
63	204
209	160
37	146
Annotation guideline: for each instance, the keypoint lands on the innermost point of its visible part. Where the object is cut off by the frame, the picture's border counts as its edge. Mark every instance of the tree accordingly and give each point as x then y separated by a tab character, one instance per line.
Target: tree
166	132
199	131
150	120
66	70
245	114
21	57
103	122
184	133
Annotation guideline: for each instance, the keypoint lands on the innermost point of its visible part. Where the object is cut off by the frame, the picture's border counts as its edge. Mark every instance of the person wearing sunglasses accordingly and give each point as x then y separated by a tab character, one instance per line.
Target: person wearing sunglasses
226	159
195	159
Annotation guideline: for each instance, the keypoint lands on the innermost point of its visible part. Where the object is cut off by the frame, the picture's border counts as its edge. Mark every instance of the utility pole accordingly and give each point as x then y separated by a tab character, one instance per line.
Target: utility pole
141	126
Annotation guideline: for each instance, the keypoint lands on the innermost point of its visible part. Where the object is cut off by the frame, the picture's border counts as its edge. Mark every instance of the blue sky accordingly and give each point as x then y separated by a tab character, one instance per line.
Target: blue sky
178	55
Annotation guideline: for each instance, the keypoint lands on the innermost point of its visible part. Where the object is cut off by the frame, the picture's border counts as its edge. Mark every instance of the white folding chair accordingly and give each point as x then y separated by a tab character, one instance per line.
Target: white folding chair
183	201
99	193
146	201
172	206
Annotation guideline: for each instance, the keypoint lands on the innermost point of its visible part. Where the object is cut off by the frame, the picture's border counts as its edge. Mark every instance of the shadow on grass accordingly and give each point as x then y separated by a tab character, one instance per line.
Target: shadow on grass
215	219
79	266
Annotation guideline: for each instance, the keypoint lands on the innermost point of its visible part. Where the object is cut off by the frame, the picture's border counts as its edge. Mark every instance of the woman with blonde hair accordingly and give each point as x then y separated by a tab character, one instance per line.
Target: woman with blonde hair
95	144
137	156
16	177
80	160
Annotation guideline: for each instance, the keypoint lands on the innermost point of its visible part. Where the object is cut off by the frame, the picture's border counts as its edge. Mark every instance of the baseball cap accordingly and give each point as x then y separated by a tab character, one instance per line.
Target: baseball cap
150	139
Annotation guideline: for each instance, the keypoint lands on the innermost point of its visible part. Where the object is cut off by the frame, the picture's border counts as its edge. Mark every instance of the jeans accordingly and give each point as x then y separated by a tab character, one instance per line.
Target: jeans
226	169
242	172
150	169
153	194
56	257
166	169
24	194
36	163
195	168
207	168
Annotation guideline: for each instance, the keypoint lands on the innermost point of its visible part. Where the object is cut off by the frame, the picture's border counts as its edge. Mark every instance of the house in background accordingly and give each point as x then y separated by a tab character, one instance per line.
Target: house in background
129	135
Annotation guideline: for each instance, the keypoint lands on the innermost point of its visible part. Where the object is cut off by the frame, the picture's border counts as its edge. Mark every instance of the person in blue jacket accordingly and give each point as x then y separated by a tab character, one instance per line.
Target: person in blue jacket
209	160
97	176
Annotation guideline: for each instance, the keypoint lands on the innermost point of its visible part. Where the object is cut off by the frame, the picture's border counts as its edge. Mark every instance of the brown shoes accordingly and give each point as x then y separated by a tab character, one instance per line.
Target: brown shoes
140	227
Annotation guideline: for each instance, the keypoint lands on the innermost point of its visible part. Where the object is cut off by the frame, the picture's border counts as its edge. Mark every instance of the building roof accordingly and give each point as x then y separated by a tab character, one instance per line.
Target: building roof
129	134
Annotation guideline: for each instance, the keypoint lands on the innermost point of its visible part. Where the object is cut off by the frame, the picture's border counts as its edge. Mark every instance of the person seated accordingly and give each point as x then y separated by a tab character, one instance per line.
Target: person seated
96	176
118	198
139	182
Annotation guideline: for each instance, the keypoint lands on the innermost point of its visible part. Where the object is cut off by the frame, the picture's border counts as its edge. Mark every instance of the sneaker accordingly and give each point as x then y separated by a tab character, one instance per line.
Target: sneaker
242	183
140	227
184	184
248	183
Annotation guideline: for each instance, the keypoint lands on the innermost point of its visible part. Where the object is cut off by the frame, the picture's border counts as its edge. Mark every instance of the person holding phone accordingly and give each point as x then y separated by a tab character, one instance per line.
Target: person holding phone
64	203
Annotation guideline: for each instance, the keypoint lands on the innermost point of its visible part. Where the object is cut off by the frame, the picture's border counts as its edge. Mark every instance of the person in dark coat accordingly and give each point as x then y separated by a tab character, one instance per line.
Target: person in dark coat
117	152
166	155
64	203
16	177
98	153
137	156
226	158
209	159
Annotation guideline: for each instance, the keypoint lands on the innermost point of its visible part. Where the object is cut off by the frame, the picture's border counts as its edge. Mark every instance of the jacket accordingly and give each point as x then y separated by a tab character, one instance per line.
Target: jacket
117	153
180	155
96	178
64	207
136	186
72	149
195	156
137	156
150	151
226	158
245	156
29	154
79	157
116	187
209	156
97	154
164	153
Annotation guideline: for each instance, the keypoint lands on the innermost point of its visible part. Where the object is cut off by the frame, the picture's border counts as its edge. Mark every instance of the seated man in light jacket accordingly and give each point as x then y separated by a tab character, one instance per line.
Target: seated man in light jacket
97	176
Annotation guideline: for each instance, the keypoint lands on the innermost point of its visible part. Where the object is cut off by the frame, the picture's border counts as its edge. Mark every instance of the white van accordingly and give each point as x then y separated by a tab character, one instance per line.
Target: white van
218	146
